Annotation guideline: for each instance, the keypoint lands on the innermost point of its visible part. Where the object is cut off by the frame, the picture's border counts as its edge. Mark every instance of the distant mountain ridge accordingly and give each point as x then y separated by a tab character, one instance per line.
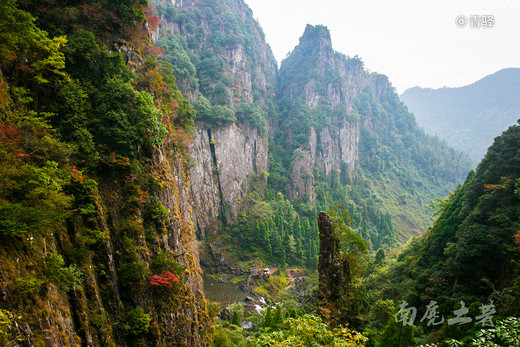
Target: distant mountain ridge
468	117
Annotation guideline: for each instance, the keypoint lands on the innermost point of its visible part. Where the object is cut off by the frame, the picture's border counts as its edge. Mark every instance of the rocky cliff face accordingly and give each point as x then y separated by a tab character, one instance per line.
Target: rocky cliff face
224	158
120	252
241	44
224	155
331	82
330	149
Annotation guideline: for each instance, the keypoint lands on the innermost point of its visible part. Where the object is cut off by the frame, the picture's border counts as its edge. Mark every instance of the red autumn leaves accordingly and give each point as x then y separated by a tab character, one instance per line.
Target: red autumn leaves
165	279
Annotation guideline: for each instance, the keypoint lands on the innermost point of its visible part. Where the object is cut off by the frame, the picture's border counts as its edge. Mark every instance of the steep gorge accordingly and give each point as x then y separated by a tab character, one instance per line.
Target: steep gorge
104	194
320	122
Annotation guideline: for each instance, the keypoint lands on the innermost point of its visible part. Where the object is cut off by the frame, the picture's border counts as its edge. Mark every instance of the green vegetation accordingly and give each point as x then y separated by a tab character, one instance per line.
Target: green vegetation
5	326
94	219
505	333
308	330
85	108
399	172
293	330
273	230
200	57
138	321
470	254
67	278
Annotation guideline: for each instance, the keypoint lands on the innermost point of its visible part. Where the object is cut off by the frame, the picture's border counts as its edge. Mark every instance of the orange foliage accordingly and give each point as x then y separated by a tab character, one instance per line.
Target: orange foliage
505	182
179	138
142	197
516	238
116	160
77	174
9	135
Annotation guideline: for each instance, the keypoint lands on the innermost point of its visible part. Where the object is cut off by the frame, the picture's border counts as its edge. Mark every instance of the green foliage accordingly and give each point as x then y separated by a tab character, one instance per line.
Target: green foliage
308	330
268	229
162	263
228	338
174	105
138	322
213	114
352	244
253	114
98	318
384	312
200	62
176	53
37	202
29	285
26	45
131	273
505	333
392	148
126	120
5	326
470	253
69	104
398	335
65	277
158	212
235	320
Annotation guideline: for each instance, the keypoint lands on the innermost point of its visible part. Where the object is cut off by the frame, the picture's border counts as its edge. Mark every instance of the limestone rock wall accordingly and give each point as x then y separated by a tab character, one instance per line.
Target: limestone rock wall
224	157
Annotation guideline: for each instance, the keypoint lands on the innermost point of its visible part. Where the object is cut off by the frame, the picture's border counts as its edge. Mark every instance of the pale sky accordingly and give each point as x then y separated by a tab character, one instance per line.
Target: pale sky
413	42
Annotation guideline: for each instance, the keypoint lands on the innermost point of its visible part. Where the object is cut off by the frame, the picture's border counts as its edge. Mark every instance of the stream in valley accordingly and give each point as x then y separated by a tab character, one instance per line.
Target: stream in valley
224	293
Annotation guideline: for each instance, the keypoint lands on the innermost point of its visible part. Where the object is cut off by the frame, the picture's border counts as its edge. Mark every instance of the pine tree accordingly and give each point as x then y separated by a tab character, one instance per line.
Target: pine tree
299	251
272	225
306	228
268	318
397	335
235	320
277	245
286	239
279	222
278	317
258	233
297	228
283	261
265	240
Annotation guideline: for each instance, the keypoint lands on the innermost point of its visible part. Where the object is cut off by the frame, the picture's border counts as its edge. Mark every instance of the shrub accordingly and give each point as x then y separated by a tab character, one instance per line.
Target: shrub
5	326
138	322
27	285
130	273
65	277
158	212
98	318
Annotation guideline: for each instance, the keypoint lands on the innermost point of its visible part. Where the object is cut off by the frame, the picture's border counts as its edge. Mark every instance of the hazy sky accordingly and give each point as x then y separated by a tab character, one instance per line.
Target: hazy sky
413	42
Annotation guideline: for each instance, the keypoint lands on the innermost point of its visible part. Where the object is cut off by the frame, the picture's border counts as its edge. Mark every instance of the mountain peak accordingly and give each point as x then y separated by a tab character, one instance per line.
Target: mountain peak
315	32
316	36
